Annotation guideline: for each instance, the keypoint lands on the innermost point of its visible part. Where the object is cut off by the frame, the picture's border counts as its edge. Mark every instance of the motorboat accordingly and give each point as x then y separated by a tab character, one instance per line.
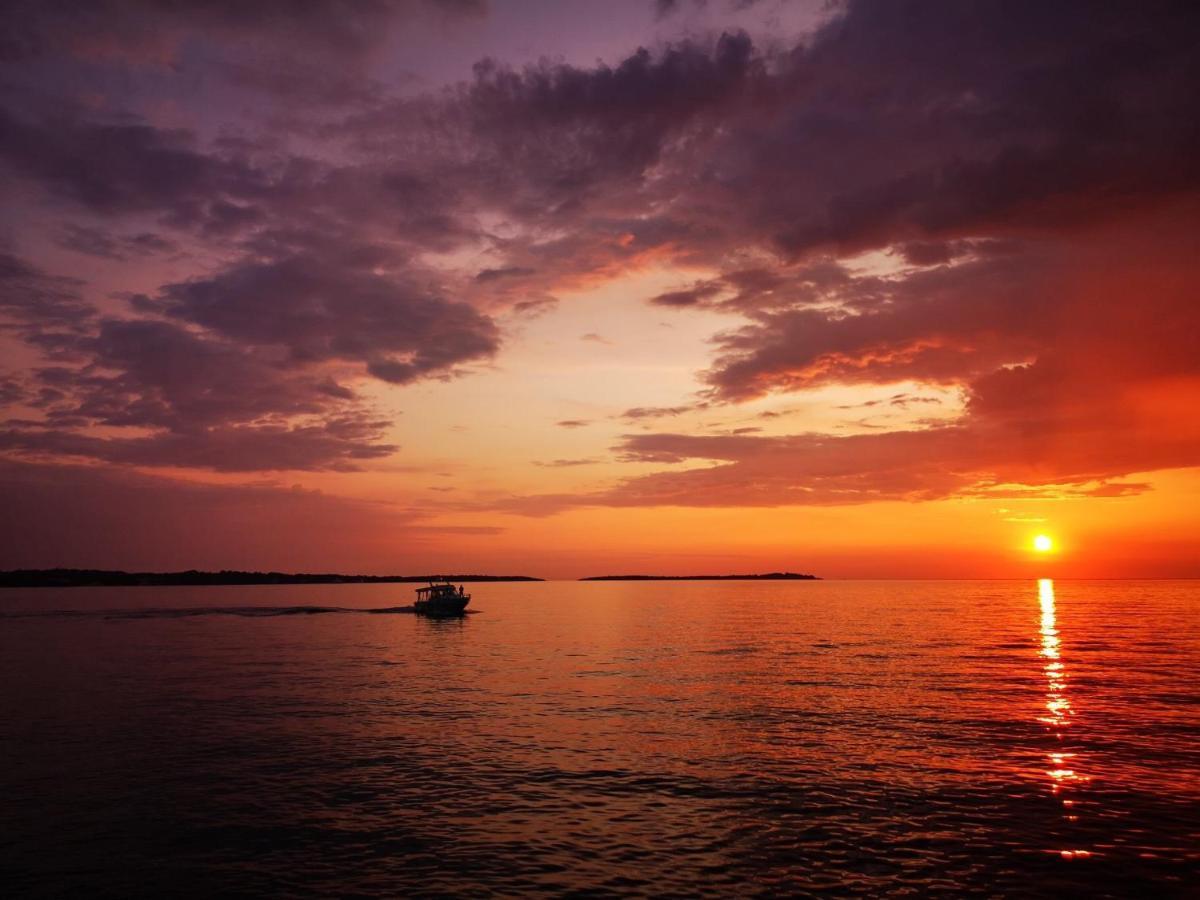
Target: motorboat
441	599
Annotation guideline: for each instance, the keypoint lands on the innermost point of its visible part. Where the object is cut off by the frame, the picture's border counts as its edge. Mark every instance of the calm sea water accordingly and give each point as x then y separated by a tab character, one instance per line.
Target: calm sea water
873	738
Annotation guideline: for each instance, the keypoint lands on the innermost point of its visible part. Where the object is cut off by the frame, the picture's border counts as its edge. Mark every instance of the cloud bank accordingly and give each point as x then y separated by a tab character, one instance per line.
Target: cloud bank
998	197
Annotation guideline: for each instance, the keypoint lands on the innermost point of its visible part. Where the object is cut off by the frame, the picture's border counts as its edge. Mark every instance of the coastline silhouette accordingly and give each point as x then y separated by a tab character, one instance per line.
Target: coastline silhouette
109	578
767	576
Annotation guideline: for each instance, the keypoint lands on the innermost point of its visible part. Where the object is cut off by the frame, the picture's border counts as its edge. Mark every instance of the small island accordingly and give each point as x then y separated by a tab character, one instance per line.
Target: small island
105	578
767	576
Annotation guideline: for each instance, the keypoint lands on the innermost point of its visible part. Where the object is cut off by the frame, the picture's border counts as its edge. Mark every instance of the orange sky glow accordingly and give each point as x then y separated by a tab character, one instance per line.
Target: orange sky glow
725	290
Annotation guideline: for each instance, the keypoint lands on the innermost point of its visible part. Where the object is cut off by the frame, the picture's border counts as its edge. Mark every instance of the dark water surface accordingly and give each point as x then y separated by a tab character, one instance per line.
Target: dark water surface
726	738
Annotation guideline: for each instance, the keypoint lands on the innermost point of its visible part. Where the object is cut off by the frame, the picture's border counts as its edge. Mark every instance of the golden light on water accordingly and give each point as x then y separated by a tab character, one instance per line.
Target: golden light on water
1057	703
1065	778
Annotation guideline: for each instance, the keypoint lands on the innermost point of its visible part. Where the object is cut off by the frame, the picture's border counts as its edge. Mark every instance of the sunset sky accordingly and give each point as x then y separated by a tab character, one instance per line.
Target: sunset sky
572	288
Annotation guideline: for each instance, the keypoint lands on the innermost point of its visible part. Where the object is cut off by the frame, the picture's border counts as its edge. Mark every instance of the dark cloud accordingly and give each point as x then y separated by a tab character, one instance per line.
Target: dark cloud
289	79
657	412
913	466
931	253
1066	304
339	444
507	272
937	325
899	401
155	374
904	401
747	290
664	8
916	120
1019	120
32	297
191	394
106	245
564	132
121	167
534	308
11	392
573	423
323	310
148	30
693	296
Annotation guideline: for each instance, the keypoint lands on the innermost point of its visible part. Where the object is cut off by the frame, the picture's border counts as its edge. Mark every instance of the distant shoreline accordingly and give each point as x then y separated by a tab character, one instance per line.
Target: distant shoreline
768	576
105	578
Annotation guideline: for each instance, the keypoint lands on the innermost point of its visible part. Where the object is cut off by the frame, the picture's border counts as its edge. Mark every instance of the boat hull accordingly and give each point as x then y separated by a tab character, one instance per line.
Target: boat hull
442	607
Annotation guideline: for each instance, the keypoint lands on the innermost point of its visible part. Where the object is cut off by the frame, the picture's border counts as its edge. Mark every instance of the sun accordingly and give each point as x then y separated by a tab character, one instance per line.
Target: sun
1043	544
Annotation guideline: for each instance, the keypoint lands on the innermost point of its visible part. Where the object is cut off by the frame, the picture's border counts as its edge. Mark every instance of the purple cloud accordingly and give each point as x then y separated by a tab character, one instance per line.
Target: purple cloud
321	310
1028	170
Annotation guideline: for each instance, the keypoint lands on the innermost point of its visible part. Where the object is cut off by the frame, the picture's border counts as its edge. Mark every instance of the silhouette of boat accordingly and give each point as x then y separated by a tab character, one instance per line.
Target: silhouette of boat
441	600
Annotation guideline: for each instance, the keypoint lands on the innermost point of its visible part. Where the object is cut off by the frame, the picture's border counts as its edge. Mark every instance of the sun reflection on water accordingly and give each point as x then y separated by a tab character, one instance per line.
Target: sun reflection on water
1063	769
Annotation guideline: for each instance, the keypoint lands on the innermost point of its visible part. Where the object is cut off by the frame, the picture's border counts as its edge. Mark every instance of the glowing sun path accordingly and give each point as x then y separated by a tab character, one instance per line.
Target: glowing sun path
1062	772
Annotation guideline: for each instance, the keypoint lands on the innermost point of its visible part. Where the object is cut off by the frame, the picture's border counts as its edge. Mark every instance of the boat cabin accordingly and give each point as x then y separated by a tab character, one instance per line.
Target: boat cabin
439	591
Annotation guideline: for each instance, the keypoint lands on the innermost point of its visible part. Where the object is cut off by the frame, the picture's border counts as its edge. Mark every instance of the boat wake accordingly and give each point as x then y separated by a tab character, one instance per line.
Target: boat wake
249	612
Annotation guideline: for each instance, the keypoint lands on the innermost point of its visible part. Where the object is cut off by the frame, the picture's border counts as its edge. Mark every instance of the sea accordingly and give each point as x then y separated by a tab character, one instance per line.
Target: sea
603	739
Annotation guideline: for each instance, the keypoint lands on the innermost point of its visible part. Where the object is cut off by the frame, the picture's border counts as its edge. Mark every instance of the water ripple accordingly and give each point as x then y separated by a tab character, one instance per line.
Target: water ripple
708	739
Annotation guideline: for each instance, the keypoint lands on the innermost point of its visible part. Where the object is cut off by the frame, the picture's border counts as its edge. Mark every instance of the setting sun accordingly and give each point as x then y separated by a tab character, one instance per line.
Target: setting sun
1043	544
